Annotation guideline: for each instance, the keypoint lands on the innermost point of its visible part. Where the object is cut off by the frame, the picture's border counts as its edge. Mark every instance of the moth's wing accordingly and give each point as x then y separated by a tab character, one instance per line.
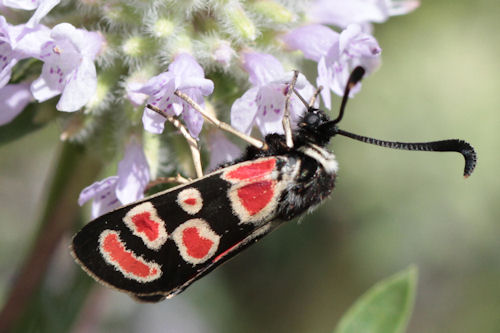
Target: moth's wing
157	247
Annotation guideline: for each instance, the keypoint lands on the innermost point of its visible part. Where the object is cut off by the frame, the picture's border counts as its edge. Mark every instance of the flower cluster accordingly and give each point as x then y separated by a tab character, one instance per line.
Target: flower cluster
237	53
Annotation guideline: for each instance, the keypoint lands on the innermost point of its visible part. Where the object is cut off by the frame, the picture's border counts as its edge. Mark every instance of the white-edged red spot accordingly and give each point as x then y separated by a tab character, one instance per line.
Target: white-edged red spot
196	241
190	200
254	197
255	191
250	170
254	202
115	253
144	222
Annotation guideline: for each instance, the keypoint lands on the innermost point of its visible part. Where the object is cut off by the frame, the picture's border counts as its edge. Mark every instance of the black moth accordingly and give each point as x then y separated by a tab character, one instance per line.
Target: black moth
155	248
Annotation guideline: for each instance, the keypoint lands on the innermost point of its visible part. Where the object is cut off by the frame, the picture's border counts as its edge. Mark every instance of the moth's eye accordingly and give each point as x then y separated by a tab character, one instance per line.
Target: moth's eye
312	119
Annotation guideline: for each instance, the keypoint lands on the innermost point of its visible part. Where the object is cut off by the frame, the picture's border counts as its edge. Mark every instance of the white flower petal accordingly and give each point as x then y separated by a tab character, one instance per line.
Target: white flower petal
153	122
44	7
80	87
156	84
93	190
185	66
6	65
192	118
32	41
133	174
313	40
43	89
244	110
271	105
204	85
13	100
221	150
262	68
324	80
106	202
22	4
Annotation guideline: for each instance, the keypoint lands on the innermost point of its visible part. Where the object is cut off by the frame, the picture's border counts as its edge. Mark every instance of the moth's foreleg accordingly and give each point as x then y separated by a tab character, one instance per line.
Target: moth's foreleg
167	180
287	127
193	144
315	96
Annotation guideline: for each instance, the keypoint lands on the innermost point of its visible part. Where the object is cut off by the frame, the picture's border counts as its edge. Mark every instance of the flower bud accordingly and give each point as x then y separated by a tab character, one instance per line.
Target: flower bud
273	11
240	22
120	14
162	27
137	46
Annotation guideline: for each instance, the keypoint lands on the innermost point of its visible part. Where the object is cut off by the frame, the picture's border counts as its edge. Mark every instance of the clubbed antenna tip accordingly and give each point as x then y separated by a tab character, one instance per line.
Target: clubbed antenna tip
470	157
356	76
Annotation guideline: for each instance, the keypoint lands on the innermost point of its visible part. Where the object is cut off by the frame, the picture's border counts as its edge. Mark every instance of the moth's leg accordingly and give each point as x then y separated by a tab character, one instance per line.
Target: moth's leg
193	145
314	96
287	127
219	124
301	98
166	180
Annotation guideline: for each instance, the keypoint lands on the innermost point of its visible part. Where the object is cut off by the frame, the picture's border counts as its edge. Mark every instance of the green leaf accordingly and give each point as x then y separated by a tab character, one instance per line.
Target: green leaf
384	308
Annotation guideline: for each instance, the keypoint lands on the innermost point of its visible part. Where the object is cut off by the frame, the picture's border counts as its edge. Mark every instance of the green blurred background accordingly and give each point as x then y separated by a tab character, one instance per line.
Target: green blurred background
439	80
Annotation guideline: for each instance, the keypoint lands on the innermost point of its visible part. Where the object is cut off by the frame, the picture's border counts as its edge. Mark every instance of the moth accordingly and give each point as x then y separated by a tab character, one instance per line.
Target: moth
155	248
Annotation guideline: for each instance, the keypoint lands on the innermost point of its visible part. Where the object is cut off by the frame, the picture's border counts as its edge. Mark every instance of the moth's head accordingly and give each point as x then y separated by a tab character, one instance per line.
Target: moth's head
311	122
316	126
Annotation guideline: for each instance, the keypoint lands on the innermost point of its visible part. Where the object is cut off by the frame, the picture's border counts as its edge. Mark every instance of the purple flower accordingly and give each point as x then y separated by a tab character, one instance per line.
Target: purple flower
128	186
264	103
18	42
132	86
186	75
42	8
13	99
68	67
133	174
337	54
8	56
103	194
342	13
221	149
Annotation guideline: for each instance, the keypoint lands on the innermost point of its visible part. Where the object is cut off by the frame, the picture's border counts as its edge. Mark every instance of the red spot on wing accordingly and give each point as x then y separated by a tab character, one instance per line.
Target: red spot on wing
190	201
113	246
252	170
256	196
196	246
144	224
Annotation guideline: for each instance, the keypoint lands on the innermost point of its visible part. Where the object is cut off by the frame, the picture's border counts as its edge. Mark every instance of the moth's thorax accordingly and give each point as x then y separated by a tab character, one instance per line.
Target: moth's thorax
322	155
313	183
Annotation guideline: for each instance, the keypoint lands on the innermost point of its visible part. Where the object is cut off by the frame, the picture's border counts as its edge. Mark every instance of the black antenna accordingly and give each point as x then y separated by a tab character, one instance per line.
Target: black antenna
356	76
453	145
